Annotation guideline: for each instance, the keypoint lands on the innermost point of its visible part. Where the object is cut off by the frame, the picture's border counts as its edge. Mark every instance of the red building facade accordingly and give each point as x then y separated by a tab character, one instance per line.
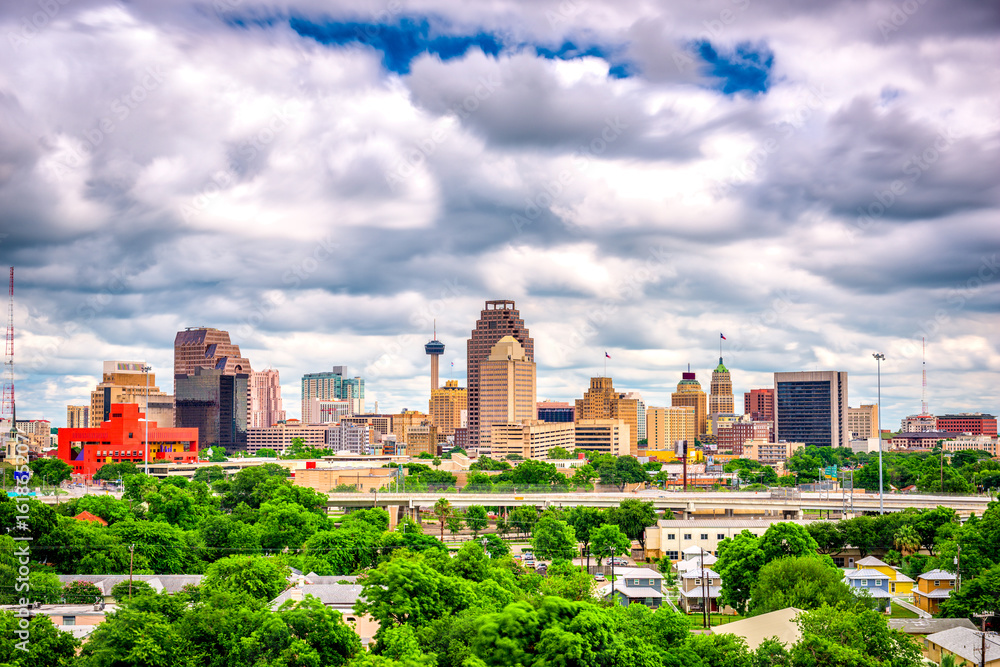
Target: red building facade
759	404
122	438
976	424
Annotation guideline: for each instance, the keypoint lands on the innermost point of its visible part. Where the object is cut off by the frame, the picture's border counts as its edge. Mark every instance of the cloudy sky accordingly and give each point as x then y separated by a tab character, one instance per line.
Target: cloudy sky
817	181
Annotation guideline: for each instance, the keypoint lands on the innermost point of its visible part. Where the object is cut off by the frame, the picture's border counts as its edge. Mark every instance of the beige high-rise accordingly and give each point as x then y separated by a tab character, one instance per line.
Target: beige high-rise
125	382
448	407
506	386
721	399
689	394
601	401
665	426
265	399
862	423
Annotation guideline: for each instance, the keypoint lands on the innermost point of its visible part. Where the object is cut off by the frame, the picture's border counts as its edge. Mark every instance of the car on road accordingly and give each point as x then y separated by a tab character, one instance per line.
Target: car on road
619	562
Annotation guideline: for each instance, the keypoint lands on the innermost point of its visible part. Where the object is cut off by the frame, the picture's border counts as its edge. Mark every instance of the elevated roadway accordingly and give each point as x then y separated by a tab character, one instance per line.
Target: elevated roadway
792	505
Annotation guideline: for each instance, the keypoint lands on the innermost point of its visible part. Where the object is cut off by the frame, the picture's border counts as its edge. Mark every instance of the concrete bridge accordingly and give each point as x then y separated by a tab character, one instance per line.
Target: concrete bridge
791	505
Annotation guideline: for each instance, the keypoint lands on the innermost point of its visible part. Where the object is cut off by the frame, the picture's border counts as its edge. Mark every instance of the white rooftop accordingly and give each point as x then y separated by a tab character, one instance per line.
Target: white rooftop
966	644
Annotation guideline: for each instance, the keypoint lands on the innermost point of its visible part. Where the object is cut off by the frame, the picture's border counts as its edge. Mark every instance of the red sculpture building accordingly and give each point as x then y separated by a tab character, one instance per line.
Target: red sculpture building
122	438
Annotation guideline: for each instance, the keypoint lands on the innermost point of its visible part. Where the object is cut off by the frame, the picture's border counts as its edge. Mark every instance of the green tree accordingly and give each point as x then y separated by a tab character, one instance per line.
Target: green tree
126	589
787	539
476	519
256	577
209	474
907	540
486	463
560	453
44	645
554	540
740	559
495	547
523	519
455	522
286	525
478	482
608	540
51	471
623	470
633	517
107	507
115	471
584	520
443	511
82	592
803	582
850	636
979	595
267	453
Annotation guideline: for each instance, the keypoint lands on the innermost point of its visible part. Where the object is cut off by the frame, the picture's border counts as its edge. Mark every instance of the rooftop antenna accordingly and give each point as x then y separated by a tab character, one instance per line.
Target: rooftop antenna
923	364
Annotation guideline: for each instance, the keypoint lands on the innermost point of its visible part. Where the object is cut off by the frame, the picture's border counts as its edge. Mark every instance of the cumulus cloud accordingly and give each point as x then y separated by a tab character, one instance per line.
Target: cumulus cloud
326	181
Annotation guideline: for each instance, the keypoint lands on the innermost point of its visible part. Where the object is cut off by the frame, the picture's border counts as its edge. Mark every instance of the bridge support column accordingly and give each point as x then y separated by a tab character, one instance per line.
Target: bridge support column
393	516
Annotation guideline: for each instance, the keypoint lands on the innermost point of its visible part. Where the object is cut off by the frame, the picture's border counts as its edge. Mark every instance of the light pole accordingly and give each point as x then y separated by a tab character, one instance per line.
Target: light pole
145	456
879	358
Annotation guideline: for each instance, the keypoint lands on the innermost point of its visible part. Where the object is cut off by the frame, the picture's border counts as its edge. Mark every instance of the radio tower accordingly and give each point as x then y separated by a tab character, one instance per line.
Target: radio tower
7	410
923	365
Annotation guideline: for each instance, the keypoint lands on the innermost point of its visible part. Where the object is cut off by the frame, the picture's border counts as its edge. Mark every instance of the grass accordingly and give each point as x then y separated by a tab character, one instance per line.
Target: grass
899	612
716	619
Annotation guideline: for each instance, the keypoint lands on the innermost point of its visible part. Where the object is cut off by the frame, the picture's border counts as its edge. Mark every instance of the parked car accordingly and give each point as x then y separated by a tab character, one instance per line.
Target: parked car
618	561
600	577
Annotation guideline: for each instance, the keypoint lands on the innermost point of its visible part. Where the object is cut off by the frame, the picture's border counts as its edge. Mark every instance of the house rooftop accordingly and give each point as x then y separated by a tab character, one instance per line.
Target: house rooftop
755	630
937	575
871	561
928	626
966	644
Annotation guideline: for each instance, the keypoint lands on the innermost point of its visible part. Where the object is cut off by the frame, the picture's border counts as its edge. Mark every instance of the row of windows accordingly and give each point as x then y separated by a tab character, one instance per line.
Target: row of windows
875	582
704	536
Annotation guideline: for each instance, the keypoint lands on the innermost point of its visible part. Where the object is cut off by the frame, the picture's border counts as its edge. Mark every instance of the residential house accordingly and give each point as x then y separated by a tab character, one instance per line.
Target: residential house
161	583
636	585
932	588
694	585
899	583
76	619
694	557
875	583
338	596
921	627
92	518
963	643
755	630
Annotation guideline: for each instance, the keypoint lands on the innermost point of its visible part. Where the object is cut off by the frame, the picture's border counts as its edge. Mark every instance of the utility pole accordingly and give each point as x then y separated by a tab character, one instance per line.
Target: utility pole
704	592
982	633
131	556
879	358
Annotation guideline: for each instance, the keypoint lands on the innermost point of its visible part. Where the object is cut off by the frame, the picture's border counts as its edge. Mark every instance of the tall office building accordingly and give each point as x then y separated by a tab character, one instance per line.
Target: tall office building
205	347
759	404
331	386
506	386
215	403
689	394
640	411
265	399
498	319
77	416
601	401
125	382
720	400
862	423
811	407
449	407
665	426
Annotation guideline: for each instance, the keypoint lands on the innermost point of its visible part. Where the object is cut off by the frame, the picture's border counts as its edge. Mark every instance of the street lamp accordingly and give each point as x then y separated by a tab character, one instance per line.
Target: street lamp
146	369
879	358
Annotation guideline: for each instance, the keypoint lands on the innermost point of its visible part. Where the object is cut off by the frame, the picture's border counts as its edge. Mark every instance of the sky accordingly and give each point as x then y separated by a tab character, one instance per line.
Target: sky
326	180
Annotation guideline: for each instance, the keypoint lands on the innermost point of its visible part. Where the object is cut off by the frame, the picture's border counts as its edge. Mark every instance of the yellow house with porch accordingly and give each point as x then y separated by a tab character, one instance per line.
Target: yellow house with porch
899	583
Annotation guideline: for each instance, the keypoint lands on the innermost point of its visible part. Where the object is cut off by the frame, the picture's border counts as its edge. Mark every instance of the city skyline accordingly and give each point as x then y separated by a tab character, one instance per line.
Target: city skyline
816	182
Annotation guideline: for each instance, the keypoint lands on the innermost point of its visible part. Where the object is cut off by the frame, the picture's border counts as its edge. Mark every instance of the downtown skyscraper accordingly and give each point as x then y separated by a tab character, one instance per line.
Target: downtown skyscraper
498	319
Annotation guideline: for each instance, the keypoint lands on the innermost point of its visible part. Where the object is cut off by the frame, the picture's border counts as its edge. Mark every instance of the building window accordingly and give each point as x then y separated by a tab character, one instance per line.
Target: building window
937	583
671	536
672	555
864	582
687	536
697	582
652	582
704	536
69	620
720	536
636	582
